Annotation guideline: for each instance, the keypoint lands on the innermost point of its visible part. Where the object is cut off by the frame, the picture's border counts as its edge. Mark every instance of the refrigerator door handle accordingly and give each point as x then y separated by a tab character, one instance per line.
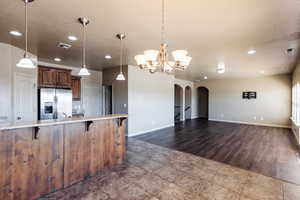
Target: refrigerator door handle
55	98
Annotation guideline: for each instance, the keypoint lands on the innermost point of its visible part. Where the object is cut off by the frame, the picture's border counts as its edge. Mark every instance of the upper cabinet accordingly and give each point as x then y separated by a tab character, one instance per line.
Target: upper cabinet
54	78
63	78
76	87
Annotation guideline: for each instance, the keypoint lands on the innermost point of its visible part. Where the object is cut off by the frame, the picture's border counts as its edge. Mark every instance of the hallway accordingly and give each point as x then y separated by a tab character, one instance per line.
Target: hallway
265	150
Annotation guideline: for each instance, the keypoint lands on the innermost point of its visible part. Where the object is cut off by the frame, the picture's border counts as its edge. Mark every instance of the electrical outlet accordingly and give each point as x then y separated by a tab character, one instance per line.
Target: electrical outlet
262	118
254	117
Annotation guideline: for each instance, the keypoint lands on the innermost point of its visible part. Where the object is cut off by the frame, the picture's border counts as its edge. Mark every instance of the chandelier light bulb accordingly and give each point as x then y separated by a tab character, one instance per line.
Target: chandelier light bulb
151	55
180	55
140	59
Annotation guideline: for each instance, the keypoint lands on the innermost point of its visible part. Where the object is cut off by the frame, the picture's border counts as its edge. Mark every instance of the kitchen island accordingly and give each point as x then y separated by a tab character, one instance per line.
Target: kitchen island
39	157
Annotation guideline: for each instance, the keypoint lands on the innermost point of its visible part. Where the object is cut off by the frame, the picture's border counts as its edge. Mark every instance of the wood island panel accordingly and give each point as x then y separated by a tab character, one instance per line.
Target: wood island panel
39	160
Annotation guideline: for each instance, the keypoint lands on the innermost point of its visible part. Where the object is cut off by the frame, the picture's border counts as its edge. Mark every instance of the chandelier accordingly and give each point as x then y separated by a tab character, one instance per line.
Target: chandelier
158	61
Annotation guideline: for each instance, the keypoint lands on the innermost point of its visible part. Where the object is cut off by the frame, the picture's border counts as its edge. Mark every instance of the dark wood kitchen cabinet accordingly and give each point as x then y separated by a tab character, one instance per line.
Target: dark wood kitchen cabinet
47	77
63	78
76	87
54	78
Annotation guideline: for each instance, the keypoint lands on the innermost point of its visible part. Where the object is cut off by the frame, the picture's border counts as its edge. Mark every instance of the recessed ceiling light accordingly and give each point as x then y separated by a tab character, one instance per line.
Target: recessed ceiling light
108	57
57	59
251	51
15	33
72	38
205	77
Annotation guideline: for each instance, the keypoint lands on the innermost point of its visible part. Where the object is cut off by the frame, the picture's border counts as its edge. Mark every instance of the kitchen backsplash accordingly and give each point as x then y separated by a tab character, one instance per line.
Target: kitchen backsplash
77	107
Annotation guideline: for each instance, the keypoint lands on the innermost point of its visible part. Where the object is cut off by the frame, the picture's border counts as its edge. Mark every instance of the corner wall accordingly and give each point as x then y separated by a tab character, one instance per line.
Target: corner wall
272	106
150	101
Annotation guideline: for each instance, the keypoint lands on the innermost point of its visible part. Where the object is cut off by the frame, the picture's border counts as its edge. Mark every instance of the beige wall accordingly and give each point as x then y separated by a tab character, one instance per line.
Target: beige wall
150	101
10	56
272	106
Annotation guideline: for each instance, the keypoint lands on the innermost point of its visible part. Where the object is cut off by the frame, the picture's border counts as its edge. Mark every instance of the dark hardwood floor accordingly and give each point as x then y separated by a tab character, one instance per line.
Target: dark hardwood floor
265	150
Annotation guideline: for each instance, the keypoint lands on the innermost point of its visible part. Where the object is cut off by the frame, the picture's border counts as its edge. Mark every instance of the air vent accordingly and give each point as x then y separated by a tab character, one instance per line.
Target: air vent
64	45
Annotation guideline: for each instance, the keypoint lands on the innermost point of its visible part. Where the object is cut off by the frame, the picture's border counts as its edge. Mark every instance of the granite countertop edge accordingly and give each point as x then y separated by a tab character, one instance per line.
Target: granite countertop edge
41	123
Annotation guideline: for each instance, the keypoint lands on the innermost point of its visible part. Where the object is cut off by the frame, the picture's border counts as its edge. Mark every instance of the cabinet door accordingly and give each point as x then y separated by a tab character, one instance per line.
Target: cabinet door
76	153
33	166
47	77
63	79
76	87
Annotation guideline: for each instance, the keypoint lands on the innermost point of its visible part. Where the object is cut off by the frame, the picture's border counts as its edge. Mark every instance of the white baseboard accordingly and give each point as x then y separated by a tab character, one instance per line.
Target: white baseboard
150	130
250	123
194	117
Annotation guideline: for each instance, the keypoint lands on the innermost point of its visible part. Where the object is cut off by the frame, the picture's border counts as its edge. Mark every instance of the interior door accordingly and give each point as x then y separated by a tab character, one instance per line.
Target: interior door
25	98
107	99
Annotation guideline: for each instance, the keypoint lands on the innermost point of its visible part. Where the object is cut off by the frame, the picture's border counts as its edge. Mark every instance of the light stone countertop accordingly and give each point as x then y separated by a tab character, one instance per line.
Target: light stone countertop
41	123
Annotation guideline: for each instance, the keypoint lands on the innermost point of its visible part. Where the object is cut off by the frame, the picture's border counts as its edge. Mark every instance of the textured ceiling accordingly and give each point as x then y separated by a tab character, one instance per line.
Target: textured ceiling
211	30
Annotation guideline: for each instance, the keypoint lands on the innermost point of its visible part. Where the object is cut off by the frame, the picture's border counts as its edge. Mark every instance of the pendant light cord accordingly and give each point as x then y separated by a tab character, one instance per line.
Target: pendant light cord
84	41
26	29
121	56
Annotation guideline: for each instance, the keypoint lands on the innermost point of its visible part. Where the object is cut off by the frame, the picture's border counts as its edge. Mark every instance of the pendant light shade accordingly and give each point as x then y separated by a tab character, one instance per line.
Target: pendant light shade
121	37
121	77
26	62
84	71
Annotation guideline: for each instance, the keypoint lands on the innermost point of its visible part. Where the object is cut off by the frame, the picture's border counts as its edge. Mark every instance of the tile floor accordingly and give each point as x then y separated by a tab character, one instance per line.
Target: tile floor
155	173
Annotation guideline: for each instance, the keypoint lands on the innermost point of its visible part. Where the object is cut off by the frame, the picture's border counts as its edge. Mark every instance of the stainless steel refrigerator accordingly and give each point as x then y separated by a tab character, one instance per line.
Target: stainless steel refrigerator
55	103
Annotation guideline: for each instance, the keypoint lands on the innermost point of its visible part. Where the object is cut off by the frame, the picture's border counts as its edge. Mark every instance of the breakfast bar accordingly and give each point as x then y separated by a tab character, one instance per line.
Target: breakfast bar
40	157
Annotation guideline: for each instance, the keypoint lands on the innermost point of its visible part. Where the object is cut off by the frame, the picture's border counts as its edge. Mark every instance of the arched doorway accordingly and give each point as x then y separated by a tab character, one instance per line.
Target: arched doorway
188	103
203	102
178	101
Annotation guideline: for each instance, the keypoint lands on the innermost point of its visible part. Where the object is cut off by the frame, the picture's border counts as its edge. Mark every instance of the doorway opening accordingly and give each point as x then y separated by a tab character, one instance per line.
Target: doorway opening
203	102
188	103
107	99
178	104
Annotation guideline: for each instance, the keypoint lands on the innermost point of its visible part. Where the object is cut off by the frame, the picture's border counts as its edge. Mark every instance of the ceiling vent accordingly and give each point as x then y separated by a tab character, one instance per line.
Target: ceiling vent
64	45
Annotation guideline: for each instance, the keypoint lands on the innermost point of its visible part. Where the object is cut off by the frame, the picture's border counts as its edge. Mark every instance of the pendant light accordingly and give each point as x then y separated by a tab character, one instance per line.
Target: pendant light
84	71
121	77
26	62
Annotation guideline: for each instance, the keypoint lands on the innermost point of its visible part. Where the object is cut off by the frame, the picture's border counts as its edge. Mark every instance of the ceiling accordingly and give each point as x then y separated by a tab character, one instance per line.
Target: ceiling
212	31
